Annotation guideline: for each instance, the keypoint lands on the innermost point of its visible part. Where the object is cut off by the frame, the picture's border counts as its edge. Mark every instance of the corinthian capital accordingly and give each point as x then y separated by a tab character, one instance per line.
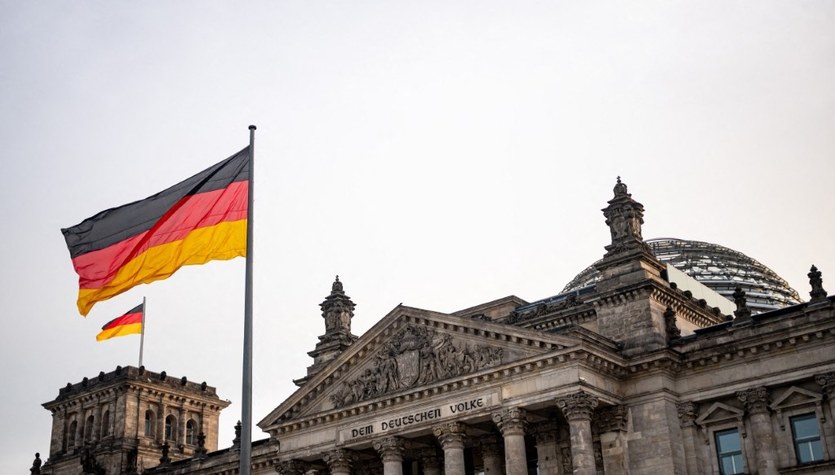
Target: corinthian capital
339	460
577	406
755	399
391	449
687	412
451	434
511	421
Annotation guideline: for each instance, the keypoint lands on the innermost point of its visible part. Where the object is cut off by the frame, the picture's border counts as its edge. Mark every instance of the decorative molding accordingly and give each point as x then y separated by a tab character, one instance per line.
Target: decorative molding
291	467
545	432
339	459
687	412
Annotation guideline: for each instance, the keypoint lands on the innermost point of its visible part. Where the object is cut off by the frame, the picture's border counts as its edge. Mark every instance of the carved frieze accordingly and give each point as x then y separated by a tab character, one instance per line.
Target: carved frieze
415	356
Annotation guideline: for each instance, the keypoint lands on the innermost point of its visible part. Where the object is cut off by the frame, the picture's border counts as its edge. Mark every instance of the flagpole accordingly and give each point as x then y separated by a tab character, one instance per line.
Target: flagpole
142	335
246	392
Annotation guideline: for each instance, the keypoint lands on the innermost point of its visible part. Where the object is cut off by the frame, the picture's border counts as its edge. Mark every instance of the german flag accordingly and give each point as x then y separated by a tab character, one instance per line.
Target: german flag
127	324
195	221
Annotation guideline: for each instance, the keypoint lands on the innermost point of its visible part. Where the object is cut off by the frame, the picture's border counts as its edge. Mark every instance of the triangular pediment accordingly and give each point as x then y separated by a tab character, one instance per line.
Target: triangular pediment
719	412
795	396
413	350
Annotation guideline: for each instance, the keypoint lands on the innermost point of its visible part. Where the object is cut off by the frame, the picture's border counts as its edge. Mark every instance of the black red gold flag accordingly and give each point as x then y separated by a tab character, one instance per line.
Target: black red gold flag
127	324
200	219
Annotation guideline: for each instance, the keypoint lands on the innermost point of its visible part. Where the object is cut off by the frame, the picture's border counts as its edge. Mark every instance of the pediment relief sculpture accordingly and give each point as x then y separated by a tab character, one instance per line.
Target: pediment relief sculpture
415	356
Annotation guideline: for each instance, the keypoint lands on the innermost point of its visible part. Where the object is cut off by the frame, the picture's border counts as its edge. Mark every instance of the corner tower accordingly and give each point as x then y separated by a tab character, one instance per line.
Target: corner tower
337	310
128	419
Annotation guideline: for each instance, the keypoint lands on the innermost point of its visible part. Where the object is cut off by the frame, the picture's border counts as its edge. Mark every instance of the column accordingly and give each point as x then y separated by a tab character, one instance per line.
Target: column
512	423
611	424
687	412
431	461
491	455
291	467
756	403
391	453
451	436
545	435
339	461
577	409
827	384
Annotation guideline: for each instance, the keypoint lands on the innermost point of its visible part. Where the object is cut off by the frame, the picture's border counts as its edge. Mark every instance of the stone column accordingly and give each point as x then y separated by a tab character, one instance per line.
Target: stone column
491	455
391	453
545	435
451	436
611	424
765	454
577	409
512	423
687	412
339	461
431	461
291	467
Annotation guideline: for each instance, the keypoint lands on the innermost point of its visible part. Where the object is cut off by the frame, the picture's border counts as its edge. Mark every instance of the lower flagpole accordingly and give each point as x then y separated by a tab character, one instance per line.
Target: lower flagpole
142	335
246	392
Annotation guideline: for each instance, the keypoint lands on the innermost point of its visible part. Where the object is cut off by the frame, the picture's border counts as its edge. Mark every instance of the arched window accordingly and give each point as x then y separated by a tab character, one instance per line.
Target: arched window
71	434
190	425
88	428
105	424
170	428
149	423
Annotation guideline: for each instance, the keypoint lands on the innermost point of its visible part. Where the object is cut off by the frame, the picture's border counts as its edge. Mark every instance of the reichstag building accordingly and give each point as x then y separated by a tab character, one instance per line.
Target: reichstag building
666	356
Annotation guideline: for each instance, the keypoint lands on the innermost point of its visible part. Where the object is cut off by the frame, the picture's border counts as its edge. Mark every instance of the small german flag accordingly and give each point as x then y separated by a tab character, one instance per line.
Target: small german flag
200	219
127	324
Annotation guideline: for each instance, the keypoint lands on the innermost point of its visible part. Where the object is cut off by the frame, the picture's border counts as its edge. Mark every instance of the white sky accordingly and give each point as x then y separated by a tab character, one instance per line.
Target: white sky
440	154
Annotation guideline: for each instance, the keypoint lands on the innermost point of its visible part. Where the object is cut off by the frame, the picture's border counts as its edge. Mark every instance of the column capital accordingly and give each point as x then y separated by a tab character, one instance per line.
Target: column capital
511	421
450	435
577	406
827	382
391	449
754	399
545	432
611	419
339	460
687	412
291	467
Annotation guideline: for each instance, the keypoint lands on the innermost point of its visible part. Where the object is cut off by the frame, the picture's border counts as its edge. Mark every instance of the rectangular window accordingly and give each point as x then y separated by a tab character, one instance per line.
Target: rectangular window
807	438
729	451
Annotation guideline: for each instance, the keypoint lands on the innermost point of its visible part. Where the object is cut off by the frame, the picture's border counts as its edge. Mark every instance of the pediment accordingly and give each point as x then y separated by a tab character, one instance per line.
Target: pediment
412	350
795	396
719	412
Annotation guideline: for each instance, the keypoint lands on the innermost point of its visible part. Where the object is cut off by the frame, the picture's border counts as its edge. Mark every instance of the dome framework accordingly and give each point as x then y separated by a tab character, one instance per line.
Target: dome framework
719	268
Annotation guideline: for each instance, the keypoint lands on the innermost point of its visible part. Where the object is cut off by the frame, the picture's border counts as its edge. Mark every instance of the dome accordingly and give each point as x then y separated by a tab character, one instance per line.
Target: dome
719	268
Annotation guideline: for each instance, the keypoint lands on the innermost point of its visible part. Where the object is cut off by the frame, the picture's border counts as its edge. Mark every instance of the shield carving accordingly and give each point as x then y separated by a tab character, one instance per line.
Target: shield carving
408	367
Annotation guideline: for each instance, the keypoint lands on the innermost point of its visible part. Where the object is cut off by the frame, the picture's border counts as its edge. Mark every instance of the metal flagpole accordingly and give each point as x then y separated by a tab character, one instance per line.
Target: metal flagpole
142	335
246	392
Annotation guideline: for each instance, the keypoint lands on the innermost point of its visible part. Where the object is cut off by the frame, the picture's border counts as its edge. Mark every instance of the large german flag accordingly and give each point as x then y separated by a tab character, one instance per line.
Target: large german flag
127	324
198	220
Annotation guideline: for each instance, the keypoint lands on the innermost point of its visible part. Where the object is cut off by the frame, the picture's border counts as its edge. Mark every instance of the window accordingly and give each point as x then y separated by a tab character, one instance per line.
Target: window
190	432
807	438
105	424
71	434
729	452
170	428
88	429
149	423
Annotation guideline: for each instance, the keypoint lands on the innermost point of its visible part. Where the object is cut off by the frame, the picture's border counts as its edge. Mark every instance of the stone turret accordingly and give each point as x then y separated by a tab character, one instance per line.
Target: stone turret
627	310
337	310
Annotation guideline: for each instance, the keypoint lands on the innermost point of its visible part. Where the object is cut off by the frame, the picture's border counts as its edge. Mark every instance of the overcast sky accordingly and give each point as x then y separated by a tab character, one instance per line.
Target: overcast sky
440	154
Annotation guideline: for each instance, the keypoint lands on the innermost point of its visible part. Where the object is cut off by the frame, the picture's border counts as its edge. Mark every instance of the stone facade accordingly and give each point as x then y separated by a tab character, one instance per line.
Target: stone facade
629	376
